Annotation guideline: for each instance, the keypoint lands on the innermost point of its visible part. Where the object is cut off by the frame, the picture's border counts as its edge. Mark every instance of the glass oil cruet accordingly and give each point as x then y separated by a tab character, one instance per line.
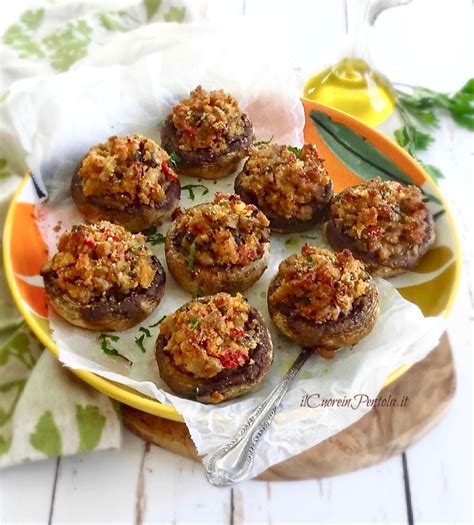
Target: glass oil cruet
352	84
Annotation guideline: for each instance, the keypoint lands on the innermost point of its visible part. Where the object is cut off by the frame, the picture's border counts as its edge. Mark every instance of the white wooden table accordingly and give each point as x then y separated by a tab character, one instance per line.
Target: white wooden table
432	481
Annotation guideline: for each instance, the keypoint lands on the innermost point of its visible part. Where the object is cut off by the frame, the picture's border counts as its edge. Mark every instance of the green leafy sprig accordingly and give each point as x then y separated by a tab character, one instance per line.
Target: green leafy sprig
418	106
106	343
158	322
295	150
139	340
153	237
191	257
191	187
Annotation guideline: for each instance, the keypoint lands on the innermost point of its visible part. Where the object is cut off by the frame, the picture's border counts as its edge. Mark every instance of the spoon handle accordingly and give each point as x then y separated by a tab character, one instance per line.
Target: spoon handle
232	462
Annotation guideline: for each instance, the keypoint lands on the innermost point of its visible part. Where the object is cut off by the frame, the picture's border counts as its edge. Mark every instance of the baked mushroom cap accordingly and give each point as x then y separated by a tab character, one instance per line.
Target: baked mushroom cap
208	134
103	278
323	300
290	185
214	348
219	246
127	180
384	224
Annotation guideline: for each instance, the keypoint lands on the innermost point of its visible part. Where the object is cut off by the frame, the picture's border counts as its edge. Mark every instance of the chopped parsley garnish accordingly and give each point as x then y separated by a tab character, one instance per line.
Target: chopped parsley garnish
309	261
291	242
153	237
196	294
190	259
224	203
145	331
174	159
194	322
261	142
190	187
139	342
295	150
157	322
108	348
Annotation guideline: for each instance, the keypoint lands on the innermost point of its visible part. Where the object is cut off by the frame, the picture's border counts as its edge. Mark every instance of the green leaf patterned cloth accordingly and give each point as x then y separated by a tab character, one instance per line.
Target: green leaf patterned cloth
44	409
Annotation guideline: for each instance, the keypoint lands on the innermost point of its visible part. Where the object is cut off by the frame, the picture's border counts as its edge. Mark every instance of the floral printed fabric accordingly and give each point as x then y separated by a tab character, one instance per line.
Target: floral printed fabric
68	416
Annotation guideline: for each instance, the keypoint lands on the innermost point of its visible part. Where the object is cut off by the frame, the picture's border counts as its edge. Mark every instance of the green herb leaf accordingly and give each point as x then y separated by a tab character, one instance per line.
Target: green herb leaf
196	294
157	322
190	259
145	331
174	159
412	138
418	100
153	237
191	187
107	348
262	142
194	322
309	261
139	342
295	150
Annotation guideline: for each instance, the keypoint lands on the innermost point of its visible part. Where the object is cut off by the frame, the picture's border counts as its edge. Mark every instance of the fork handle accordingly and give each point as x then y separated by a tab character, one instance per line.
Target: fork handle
232	462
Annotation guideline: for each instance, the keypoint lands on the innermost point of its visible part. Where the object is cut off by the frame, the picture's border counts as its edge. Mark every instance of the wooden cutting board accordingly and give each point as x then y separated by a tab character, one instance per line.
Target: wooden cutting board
380	434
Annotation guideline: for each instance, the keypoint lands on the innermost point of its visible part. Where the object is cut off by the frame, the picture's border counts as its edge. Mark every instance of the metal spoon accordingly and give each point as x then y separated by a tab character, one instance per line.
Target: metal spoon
232	462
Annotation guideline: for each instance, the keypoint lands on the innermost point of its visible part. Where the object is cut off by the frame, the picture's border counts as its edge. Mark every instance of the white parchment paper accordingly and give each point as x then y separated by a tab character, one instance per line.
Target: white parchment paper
129	86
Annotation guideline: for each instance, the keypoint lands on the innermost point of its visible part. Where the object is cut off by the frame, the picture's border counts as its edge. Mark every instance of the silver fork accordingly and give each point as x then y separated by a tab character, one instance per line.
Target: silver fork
232	462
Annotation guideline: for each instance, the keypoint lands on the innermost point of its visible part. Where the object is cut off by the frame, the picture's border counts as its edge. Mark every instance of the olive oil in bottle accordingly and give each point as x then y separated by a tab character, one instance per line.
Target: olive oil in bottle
352	86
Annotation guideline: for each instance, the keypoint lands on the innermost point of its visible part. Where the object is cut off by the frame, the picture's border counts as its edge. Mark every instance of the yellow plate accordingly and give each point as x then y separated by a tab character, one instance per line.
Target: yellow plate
352	151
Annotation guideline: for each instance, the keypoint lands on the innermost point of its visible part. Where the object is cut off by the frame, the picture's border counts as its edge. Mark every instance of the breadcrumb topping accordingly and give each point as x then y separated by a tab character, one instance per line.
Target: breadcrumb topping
207	336
288	184
320	285
207	120
125	171
384	218
224	232
96	260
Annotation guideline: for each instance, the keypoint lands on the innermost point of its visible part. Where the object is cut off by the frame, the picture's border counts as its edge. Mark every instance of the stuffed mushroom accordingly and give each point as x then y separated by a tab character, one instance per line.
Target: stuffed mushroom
214	348
127	180
218	246
207	134
291	186
103	277
384	224
323	300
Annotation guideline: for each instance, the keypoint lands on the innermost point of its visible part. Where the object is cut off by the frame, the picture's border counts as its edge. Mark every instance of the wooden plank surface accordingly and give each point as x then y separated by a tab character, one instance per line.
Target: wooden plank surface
136	485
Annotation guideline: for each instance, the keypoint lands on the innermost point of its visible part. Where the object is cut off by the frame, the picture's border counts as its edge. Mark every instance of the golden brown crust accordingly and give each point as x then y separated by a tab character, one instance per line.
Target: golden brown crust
290	186
212	248
384	224
110	313
103	277
300	319
127	180
208	134
231	381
